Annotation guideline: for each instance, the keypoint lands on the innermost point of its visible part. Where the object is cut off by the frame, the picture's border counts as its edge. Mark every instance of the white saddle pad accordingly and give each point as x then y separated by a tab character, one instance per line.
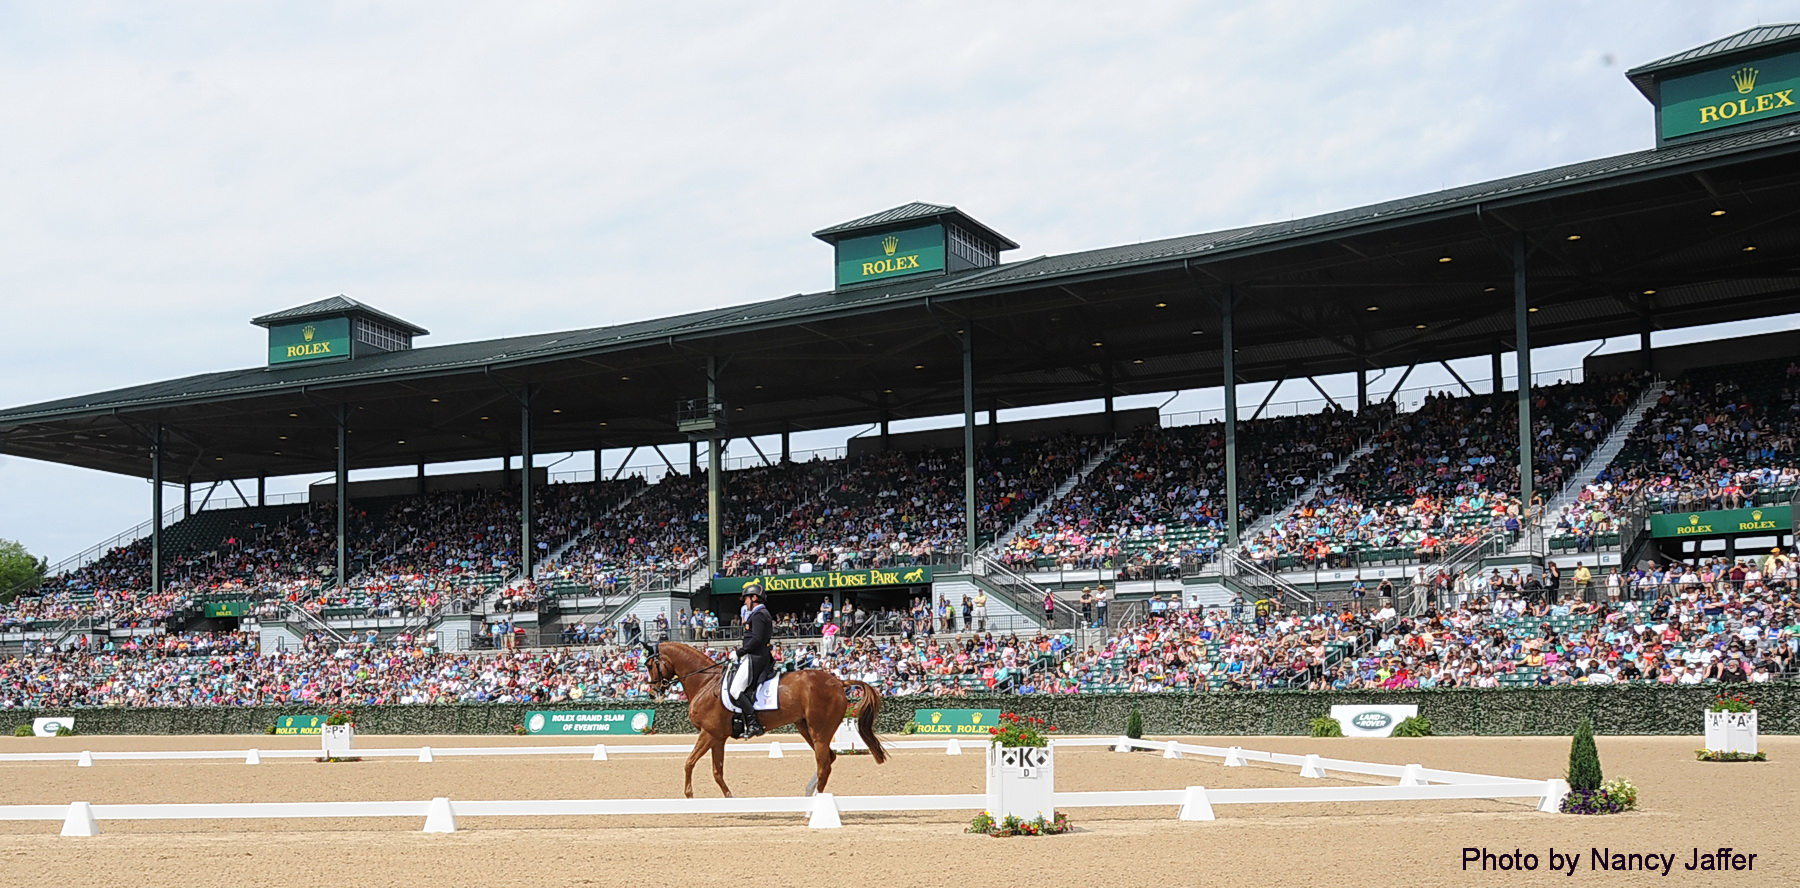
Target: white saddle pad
767	694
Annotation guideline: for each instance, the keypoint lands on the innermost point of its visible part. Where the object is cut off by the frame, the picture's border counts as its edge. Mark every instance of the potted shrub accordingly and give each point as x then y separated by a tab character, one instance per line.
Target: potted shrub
338	734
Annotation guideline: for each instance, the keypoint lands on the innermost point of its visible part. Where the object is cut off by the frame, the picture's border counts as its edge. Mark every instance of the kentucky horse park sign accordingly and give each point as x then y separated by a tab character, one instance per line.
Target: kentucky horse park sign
827	580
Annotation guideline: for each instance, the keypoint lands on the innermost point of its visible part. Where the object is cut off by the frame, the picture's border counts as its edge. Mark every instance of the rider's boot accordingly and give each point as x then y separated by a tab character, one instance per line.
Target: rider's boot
751	725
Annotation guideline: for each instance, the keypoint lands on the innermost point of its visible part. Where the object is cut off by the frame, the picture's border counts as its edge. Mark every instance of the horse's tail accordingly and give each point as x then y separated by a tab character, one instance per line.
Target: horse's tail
865	718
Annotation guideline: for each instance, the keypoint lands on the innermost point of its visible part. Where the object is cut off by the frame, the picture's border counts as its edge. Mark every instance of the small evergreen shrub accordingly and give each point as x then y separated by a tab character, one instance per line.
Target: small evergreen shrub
23	731
1134	724
65	732
1584	760
1326	726
1413	726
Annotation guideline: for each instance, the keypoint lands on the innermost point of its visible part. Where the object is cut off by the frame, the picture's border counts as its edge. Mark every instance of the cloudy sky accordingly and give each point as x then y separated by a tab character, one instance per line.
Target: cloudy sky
172	170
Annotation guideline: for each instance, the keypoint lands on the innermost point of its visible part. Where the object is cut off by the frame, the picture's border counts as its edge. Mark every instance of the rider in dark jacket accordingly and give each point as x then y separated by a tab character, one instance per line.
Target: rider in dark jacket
756	662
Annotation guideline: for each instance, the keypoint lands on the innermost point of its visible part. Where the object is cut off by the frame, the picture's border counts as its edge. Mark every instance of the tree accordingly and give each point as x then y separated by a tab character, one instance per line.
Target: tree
1134	725
1584	759
19	572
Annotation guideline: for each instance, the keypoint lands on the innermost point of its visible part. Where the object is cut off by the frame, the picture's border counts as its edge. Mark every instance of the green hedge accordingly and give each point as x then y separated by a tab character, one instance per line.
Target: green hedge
1632	709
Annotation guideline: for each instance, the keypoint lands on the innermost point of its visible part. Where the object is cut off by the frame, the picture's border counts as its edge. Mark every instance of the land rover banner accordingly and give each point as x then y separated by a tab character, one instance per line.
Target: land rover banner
1371	721
47	727
955	721
605	721
1723	522
828	580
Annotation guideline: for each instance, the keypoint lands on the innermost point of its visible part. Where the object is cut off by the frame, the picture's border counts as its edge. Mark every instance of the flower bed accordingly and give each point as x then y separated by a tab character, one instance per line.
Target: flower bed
985	824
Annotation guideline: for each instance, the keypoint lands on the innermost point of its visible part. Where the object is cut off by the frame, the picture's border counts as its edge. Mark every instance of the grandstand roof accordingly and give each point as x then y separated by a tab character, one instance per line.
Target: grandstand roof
1618	245
1758	40
335	306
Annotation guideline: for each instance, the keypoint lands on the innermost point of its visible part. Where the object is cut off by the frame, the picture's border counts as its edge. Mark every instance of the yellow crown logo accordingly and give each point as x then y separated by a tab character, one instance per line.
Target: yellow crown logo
1693	519
1745	79
936	717
1756	515
975	718
889	244
307	331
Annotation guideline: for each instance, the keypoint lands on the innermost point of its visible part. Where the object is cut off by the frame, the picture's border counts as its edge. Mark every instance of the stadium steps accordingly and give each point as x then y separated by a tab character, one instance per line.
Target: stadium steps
1306	494
1596	462
1030	519
549	562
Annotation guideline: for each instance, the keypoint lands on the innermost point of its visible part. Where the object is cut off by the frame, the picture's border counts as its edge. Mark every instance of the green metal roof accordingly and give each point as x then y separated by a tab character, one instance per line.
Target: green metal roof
910	213
1746	42
332	307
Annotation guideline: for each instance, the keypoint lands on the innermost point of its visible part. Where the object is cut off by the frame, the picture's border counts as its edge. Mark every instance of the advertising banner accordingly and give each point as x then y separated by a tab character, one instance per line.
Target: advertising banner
1371	721
827	580
955	721
607	721
297	725
1723	522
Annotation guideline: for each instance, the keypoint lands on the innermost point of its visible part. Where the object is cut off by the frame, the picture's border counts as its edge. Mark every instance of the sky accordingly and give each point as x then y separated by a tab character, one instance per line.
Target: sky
485	170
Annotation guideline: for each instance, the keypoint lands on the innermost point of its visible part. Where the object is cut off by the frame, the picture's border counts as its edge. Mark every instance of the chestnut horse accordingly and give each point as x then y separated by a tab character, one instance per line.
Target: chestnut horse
812	700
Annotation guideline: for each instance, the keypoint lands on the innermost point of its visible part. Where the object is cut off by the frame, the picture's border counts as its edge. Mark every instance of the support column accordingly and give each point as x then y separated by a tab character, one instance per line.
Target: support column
1522	338
343	494
156	510
187	498
262	490
1106	375
419	486
527	547
993	424
882	404
693	457
968	368
787	453
715	480
1362	389
1644	353
1231	416
1497	374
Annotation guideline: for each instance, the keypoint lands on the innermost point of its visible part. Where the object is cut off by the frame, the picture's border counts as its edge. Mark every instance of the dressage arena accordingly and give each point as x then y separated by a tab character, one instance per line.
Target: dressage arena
1687	804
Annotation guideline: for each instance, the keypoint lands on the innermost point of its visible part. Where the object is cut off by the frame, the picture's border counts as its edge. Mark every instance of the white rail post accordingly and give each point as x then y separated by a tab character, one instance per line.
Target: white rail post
775	749
252	757
1554	790
425	754
599	752
1234	757
86	760
1171	751
1411	776
440	817
1311	767
80	820
824	813
953	747
1195	805
1124	744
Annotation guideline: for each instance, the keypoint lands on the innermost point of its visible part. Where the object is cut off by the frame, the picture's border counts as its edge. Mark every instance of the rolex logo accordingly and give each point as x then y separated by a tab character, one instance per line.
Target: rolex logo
307	332
1756	515
1745	79
1693	519
889	244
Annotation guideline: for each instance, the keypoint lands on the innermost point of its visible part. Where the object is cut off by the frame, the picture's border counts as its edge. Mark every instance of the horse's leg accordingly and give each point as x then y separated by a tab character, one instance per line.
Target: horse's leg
699	748
823	754
718	753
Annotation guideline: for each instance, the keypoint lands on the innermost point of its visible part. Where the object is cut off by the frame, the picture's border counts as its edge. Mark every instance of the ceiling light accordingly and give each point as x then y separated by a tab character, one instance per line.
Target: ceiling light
284	437
218	459
294	415
918	366
1487	289
401	442
277	453
1373	308
603	424
1443	258
1138	361
740	409
1649	292
1418	326
434	401
1532	310
1196	331
1574	237
887	391
556	411
1162	305
1749	248
624	379
484	419
1717	213
759	388
1098	343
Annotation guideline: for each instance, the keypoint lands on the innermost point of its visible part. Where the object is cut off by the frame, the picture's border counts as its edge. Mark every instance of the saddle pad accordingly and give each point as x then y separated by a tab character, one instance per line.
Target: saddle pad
767	694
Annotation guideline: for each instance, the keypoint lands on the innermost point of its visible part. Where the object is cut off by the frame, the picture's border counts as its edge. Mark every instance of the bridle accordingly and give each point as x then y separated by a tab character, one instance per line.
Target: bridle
656	654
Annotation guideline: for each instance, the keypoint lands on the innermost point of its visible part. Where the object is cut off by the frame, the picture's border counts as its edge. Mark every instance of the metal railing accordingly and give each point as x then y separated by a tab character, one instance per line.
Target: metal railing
1256	576
1406	400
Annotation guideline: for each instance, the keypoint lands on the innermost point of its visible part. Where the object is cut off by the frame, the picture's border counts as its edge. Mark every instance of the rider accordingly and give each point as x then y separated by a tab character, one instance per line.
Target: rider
756	663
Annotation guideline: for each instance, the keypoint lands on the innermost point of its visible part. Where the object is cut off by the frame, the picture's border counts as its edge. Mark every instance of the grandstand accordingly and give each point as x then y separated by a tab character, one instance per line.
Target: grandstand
1401	539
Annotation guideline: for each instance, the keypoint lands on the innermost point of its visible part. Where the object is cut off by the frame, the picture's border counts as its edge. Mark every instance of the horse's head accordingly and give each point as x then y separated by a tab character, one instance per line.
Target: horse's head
660	673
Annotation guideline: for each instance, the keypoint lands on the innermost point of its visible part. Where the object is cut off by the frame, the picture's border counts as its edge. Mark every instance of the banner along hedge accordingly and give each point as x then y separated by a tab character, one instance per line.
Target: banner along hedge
1615	709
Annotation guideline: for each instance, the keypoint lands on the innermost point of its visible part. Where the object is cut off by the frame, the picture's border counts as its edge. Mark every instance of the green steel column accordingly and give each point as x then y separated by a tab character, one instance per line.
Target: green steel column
343	494
526	552
968	368
1522	337
156	510
1231	417
715	479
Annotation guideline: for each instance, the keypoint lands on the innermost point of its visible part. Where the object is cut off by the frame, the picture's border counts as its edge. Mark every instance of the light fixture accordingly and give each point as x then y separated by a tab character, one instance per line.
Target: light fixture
1373	308
400	442
1196	331
277	453
1418	326
624	379
1749	248
484	419
435	401
1138	361
553	411
887	391
1717	213
1488	289
294	415
918	366
284	437
739	409
1443	259
1649	292
218	459
1162	305
759	387
1532	310
603	425
1574	237
1098	343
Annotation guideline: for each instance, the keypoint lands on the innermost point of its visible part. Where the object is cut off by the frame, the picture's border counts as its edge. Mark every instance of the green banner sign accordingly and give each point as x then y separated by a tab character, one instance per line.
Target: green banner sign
607	721
1732	95
326	339
1768	519
226	608
878	257
827	580
955	721
291	725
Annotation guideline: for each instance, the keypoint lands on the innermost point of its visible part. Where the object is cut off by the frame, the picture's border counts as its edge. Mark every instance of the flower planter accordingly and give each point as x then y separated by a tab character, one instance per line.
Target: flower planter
336	740
1021	782
1731	732
846	739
